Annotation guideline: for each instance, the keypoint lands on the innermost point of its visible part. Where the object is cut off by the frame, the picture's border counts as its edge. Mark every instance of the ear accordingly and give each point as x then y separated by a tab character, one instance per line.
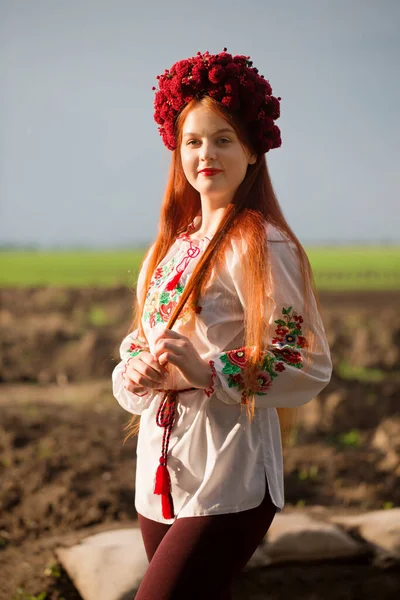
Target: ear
252	159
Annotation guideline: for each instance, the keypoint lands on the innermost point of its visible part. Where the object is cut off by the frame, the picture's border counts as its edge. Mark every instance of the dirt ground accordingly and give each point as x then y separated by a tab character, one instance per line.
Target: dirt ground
65	472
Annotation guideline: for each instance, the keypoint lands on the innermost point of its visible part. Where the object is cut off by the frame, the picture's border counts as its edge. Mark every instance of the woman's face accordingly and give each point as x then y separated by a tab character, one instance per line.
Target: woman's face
208	141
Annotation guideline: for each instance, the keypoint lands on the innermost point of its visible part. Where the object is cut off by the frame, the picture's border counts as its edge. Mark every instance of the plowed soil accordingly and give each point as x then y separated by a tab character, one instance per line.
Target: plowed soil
65	472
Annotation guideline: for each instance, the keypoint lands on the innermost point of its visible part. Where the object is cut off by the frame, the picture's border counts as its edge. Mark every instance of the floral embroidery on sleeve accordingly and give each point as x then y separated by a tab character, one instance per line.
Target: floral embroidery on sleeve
135	349
288	331
288	339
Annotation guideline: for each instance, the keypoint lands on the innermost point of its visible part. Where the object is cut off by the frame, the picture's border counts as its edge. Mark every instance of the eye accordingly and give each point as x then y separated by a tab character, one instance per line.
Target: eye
224	140
191	142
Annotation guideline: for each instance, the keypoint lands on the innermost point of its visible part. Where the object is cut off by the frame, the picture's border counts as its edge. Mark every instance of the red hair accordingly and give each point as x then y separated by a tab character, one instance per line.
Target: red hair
254	204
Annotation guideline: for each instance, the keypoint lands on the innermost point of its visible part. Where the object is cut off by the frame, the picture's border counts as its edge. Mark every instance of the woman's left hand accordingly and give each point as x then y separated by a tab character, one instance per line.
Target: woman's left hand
172	347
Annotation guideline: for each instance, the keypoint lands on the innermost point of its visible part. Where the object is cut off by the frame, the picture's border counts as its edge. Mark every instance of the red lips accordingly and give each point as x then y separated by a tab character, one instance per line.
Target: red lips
210	171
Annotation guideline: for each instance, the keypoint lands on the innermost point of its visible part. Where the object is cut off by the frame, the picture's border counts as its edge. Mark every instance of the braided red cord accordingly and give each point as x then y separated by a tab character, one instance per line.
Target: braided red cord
165	418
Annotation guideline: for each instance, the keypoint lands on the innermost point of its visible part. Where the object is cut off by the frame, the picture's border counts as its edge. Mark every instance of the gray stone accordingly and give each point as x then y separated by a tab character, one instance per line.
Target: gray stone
381	528
299	537
106	566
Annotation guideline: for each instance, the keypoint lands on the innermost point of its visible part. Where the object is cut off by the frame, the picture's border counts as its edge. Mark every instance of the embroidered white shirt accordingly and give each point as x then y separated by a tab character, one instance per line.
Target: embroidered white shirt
218	459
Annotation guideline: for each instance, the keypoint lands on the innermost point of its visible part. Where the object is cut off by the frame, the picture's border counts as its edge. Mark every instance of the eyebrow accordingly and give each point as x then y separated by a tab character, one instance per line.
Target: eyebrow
215	132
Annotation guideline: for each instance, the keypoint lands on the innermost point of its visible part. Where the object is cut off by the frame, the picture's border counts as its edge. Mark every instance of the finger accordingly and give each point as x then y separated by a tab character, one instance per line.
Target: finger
152	363
170	334
170	357
173	345
138	379
135	389
140	369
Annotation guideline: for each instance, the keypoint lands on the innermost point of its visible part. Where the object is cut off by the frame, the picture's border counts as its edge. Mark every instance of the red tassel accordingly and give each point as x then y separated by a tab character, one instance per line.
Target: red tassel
163	481
174	281
167	506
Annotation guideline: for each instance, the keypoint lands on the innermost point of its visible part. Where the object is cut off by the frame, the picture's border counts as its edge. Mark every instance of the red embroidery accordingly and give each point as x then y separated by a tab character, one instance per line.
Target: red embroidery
125	367
209	391
191	252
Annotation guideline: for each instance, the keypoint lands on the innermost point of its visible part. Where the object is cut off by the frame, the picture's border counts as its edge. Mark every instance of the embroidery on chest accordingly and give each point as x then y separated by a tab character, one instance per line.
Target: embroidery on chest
162	298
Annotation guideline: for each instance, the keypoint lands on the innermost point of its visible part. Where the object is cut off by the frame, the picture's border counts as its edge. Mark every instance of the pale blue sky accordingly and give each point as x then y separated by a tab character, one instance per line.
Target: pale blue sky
81	161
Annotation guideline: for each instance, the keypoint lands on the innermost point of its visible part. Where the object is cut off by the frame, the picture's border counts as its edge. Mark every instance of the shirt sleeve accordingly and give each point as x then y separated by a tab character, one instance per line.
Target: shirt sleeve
292	371
130	347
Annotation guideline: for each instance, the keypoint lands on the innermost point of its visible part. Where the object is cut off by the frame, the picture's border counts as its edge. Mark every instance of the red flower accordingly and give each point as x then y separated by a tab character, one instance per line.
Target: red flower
181	68
290	356
216	74
275	137
158	273
166	310
238	378
134	347
237	357
231	102
302	342
265	85
231	87
273	107
279	367
232	69
199	74
263	381
281	331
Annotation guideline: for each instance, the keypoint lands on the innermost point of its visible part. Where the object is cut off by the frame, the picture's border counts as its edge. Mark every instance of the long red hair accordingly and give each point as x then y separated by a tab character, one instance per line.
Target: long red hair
254	204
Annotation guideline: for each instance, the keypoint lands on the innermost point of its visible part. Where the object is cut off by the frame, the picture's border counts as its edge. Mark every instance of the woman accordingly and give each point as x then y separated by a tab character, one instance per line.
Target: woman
248	345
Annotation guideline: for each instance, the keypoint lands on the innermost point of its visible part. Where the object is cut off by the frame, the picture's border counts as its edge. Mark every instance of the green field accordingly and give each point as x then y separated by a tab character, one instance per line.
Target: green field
334	267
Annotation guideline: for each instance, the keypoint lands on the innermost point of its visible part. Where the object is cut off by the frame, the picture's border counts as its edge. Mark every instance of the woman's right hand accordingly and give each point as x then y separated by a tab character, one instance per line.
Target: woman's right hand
144	371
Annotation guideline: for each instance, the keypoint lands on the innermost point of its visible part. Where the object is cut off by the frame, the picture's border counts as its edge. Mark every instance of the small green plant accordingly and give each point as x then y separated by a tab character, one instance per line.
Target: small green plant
52	570
351	438
98	317
43	451
308	473
20	594
363	374
387	505
292	441
300	503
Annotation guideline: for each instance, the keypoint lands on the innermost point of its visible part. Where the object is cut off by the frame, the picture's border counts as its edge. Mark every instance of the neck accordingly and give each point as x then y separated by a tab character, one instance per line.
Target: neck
211	216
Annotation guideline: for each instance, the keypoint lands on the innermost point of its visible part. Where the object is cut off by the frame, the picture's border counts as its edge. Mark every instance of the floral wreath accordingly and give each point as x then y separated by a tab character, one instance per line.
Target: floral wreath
233	82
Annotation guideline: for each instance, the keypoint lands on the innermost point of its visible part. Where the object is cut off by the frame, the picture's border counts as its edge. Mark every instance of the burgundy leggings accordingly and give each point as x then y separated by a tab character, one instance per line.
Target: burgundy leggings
198	557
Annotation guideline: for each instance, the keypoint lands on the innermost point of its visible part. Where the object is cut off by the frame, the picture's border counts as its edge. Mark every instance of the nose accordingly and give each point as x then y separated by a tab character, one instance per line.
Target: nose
207	151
